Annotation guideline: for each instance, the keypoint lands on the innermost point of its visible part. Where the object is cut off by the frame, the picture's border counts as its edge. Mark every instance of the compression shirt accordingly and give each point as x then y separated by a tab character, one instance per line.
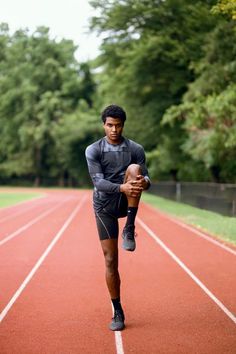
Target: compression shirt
107	165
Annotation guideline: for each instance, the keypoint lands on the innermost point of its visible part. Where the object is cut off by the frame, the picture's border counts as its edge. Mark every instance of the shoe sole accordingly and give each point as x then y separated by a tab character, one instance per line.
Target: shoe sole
120	328
128	248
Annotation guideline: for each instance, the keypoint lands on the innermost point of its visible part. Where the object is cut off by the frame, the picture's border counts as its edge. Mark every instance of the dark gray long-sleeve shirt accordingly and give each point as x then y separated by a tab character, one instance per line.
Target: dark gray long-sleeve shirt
107	164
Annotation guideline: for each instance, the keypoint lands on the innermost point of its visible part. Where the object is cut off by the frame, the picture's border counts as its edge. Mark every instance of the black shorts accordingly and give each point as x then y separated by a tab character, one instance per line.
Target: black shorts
107	219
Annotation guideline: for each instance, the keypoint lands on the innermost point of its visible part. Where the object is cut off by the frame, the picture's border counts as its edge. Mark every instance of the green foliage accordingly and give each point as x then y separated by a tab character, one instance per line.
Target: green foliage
170	63
208	111
40	84
72	135
226	7
149	54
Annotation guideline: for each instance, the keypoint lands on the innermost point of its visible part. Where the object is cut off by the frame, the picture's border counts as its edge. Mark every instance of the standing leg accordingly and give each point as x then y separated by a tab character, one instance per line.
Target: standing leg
110	251
108	230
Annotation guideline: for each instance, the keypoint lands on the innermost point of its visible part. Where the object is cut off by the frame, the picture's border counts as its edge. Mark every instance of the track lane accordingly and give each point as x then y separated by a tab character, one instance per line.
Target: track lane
65	308
214	266
41	260
166	312
8	211
18	255
14	221
32	221
188	271
12	215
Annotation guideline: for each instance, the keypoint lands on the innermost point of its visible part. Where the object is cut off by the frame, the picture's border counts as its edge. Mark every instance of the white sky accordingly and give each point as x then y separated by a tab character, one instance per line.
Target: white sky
65	18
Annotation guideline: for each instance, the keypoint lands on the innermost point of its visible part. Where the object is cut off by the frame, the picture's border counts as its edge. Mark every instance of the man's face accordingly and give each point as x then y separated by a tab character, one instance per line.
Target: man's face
113	128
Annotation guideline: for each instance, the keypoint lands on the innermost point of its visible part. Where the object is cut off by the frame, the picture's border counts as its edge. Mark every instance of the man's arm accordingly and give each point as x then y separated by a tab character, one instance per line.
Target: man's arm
96	173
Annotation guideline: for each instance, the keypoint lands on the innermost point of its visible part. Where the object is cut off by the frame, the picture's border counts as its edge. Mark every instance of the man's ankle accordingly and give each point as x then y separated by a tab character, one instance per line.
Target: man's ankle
117	305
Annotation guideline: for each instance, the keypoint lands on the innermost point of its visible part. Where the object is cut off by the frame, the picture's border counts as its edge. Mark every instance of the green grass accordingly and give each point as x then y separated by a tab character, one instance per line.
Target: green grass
223	227
7	199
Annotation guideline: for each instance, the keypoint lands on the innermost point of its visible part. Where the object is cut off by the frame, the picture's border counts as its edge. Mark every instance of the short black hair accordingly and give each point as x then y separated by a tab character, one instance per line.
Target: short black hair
113	111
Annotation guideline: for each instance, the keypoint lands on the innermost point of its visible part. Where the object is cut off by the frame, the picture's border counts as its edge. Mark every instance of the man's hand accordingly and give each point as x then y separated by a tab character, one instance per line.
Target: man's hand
131	189
142	182
134	188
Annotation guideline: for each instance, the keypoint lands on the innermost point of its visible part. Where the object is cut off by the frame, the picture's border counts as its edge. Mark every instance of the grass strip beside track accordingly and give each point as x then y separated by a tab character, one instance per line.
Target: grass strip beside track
223	227
11	198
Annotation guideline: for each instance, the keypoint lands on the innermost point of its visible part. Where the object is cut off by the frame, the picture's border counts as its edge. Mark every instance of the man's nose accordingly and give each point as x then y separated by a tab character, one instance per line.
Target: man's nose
114	128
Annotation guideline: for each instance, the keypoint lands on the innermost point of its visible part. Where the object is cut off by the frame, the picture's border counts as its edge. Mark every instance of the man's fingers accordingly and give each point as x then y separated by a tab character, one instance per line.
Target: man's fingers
135	191
136	188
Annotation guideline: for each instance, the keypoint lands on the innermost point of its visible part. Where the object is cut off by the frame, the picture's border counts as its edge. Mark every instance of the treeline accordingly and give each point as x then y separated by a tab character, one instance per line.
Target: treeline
171	64
46	109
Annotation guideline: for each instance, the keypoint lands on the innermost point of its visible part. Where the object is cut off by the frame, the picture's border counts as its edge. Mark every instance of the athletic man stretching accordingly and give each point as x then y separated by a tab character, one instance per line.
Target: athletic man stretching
117	168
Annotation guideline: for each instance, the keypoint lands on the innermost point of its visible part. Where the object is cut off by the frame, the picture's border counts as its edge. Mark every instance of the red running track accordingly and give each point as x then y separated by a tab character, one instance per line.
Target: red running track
178	289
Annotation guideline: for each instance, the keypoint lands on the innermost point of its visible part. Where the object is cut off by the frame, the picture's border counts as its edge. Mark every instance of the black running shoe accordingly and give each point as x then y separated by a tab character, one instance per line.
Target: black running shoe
118	321
128	235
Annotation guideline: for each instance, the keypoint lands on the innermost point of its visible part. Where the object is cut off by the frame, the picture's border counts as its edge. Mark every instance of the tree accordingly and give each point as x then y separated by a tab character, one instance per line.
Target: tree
73	133
227	7
147	54
40	83
208	114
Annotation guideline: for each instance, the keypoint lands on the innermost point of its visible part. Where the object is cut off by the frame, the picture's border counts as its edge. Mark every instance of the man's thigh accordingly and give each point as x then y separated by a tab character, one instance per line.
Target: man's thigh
122	207
116	206
107	226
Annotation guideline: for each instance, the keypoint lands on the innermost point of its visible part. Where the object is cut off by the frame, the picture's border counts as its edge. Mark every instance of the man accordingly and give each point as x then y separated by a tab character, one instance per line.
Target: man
119	174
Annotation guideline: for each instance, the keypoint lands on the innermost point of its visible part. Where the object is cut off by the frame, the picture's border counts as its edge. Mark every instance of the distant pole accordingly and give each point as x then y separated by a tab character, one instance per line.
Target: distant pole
234	207
178	191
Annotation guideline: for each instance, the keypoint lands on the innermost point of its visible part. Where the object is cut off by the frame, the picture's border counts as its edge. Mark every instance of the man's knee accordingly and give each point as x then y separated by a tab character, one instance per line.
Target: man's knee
133	171
111	262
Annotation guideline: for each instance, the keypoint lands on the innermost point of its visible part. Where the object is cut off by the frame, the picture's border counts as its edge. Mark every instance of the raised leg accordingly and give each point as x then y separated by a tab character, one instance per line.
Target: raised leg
134	193
132	188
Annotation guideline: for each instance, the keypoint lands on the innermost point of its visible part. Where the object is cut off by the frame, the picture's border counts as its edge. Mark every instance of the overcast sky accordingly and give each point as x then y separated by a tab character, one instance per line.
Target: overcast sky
65	18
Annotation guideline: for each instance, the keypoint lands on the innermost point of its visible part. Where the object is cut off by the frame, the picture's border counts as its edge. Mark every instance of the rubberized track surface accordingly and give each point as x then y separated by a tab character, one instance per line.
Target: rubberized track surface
178	289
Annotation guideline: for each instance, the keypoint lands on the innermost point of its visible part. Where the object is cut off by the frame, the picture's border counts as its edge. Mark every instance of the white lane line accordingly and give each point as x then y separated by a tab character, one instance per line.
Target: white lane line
188	271
40	261
32	222
119	343
208	238
118	339
196	232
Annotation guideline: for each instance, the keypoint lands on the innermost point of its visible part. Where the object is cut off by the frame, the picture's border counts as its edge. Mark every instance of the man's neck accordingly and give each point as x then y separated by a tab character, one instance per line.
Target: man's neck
115	142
